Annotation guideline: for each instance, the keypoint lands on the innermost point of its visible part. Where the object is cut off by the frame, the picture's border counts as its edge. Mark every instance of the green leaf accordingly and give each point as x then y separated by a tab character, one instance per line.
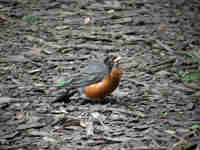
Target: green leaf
196	126
164	114
30	19
62	83
195	58
180	74
191	76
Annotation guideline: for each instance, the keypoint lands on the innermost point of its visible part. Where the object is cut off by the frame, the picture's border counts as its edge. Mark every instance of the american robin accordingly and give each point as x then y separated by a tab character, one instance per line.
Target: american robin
98	79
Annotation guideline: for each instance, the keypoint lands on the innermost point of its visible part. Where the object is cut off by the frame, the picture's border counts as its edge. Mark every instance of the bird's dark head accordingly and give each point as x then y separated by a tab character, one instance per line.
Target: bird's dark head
111	61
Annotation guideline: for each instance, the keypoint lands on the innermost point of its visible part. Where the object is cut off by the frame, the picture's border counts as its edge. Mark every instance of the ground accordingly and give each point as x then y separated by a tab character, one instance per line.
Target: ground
42	42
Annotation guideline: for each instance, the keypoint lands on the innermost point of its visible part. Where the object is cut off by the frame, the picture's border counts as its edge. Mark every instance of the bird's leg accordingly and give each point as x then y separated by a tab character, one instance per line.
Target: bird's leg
81	91
118	94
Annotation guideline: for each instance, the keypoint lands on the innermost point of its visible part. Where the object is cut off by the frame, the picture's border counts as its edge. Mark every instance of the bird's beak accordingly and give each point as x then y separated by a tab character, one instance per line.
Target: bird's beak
117	59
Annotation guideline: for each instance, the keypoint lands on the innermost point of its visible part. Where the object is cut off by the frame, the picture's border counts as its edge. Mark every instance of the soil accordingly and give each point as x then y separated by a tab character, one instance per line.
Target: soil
43	42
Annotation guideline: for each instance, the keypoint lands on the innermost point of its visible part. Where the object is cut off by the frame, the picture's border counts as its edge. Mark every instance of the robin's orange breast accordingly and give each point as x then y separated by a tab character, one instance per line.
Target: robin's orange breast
105	87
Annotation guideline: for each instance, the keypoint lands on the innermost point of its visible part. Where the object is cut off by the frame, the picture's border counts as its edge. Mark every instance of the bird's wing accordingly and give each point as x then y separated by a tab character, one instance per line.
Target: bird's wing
87	80
93	73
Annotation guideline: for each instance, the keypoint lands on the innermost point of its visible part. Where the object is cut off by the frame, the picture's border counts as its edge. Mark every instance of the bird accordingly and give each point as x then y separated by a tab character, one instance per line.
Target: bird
98	79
